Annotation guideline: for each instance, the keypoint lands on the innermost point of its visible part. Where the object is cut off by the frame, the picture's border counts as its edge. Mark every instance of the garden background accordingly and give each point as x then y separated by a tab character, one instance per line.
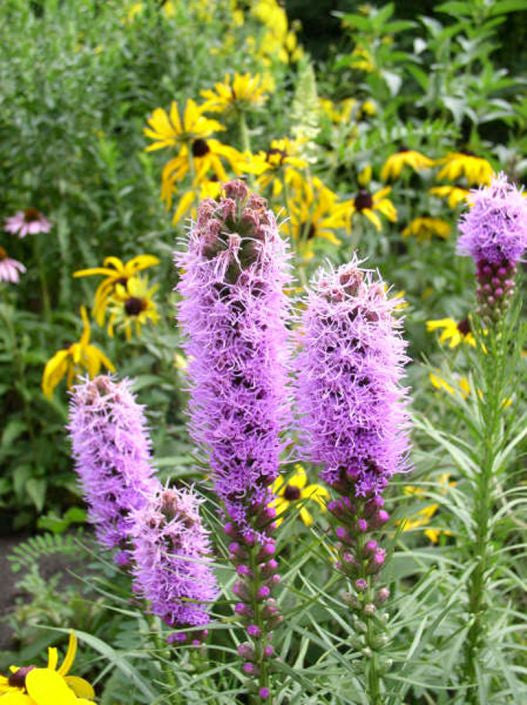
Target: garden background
364	126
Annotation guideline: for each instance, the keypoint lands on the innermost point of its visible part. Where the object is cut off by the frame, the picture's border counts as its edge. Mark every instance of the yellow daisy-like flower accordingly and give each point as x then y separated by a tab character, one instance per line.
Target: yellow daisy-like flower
366	203
199	159
339	113
454	195
476	170
73	360
172	130
424	515
237	93
115	272
29	685
315	213
452	332
368	108
132	306
296	490
395	163
425	227
189	200
279	41
441	384
280	163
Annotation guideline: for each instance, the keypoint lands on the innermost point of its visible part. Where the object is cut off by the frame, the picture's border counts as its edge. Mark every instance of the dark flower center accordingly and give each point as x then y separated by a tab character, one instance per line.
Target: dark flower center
309	229
403	148
133	306
18	678
363	200
292	493
467	152
31	214
464	326
274	150
200	148
122	280
3	253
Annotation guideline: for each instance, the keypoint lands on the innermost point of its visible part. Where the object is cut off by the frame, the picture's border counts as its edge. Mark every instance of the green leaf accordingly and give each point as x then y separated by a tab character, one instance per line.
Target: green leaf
36	489
506	6
11	432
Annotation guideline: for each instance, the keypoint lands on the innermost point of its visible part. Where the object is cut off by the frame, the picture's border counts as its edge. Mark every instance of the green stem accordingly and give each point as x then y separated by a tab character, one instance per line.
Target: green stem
164	658
257	608
46	301
245	138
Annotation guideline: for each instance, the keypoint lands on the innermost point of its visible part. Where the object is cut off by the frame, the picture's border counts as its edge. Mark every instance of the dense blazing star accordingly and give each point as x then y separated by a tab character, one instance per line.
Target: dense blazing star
494	234
171	561
112	452
233	313
353	407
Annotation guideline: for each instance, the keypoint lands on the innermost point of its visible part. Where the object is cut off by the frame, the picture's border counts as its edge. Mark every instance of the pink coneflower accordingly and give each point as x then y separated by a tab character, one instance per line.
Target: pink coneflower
10	269
28	222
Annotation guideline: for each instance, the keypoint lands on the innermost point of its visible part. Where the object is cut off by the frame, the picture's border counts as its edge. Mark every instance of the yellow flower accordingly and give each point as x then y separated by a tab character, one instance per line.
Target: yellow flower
280	162
425	227
30	685
116	272
199	159
439	383
238	93
368	108
452	331
278	41
476	170
338	113
366	203
454	194
404	157
424	515
132	306
362	60
73	360
315	213
172	130
295	490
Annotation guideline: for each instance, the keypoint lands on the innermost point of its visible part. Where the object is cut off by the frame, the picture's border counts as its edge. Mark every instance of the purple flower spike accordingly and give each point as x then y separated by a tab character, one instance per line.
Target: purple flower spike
112	455
171	559
494	234
354	417
234	313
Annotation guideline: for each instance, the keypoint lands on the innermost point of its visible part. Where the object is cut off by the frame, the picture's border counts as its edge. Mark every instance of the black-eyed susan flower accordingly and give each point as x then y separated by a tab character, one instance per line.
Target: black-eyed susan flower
115	272
73	360
366	203
132	306
188	201
395	163
237	93
453	333
454	195
280	164
30	685
174	130
296	492
476	170
203	160
315	212
423	517
425	228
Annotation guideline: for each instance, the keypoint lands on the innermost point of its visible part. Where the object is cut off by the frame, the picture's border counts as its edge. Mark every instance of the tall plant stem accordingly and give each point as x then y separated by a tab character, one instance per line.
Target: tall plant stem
257	607
164	657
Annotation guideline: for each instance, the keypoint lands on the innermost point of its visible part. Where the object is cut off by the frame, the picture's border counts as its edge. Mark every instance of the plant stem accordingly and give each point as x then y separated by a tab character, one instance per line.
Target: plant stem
259	620
163	650
46	301
245	137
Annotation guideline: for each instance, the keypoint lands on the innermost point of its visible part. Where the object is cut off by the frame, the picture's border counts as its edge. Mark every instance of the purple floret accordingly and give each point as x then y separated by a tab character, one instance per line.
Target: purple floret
494	230
233	313
172	564
353	408
111	448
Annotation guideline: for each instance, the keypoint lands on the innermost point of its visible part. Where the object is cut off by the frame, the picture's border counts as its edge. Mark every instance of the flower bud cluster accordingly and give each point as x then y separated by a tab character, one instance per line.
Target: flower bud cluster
495	287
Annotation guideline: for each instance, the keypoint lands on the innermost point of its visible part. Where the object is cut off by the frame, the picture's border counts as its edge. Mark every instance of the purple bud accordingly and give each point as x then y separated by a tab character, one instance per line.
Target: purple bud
361	584
264	693
254	630
264	591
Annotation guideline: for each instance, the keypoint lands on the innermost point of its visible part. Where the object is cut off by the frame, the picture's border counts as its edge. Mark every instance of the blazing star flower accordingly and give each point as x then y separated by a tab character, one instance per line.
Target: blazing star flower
31	685
404	157
233	313
237	93
115	272
73	360
352	406
132	306
424	228
455	195
452	332
27	222
366	203
296	490
112	452
171	559
494	234
10	269
476	170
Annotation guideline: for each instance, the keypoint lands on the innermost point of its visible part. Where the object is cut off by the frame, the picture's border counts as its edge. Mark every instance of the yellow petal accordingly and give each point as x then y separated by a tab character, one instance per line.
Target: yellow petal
53	658
69	658
48	688
54	371
299	479
15	698
306	516
80	687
